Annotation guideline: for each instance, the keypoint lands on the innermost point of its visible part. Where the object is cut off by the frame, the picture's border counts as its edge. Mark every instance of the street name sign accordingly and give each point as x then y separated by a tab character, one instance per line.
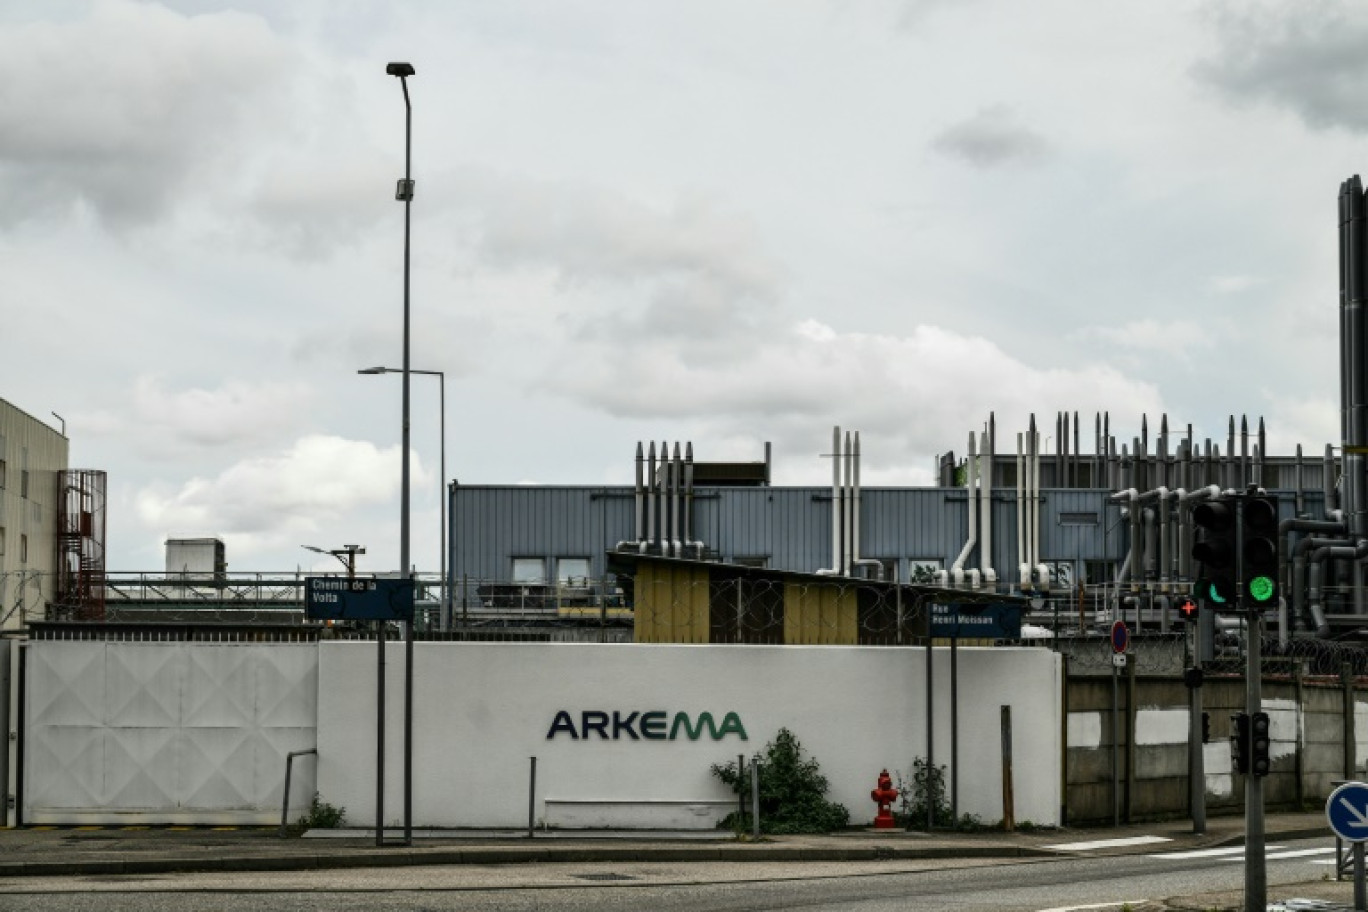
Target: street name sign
332	598
993	620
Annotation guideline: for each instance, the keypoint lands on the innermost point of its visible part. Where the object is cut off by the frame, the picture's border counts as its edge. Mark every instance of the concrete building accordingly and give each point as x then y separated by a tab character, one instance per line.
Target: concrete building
33	457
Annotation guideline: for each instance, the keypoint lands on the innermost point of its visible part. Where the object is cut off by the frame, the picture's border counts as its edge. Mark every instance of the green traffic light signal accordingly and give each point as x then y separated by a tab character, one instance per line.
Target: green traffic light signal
1259	549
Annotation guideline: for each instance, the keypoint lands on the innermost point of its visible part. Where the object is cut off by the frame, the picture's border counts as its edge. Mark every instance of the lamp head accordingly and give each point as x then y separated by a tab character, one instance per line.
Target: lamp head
399	69
373	370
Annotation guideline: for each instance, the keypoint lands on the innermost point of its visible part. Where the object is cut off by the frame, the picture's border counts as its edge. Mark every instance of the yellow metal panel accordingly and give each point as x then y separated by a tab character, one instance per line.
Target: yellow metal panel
671	604
820	615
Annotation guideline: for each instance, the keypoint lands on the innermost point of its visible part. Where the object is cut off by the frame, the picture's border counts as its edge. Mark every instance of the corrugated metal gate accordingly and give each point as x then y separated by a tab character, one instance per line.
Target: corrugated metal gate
165	732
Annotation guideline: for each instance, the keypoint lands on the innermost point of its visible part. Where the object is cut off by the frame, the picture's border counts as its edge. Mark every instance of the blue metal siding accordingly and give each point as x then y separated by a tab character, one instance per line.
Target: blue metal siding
791	527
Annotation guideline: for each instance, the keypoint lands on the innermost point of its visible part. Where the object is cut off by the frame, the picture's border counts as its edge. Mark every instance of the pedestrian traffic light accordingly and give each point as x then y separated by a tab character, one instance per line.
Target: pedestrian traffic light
1239	742
1217	552
1187	609
1192	677
1259	571
1260	741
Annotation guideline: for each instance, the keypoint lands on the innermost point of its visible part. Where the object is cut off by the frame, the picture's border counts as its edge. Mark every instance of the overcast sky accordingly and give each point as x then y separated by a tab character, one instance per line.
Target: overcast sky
719	222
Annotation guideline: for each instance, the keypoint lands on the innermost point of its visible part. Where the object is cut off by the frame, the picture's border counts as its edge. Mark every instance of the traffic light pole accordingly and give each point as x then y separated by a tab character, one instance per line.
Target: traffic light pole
1256	875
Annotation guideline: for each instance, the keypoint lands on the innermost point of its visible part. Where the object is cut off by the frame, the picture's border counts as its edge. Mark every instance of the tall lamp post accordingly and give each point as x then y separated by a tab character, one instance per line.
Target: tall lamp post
444	622
403	192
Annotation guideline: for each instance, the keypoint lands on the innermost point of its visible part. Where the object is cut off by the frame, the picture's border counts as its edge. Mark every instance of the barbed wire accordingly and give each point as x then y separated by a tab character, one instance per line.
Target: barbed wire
688	604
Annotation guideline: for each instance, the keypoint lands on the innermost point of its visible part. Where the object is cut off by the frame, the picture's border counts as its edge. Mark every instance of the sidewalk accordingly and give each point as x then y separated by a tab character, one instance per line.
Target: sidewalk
43	851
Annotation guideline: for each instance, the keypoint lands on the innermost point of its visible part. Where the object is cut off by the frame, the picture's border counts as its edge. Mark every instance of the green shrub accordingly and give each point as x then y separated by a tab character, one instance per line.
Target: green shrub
914	795
322	816
792	791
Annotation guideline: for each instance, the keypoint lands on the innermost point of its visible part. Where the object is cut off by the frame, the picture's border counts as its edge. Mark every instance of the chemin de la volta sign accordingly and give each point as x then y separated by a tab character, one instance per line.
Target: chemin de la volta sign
656	725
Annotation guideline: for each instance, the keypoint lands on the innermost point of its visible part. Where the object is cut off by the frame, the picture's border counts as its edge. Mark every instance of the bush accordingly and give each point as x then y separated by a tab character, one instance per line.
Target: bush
322	816
792	791
913	797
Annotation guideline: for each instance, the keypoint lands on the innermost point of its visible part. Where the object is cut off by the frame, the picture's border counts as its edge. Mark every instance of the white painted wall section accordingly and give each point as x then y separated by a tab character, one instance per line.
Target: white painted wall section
482	710
1161	726
1085	729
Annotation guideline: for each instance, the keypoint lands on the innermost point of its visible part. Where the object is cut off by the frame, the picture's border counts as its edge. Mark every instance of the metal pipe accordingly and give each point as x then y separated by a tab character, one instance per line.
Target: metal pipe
285	801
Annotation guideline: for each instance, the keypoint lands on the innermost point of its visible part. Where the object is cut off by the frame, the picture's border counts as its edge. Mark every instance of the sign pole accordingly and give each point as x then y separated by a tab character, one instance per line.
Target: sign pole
1360	895
380	734
1346	810
1256	876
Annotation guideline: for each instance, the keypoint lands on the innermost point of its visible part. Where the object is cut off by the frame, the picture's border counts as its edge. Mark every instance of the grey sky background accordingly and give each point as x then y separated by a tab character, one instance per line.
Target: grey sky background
718	222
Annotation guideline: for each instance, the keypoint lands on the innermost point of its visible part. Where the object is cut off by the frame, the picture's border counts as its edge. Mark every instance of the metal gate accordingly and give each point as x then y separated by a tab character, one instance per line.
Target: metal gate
164	732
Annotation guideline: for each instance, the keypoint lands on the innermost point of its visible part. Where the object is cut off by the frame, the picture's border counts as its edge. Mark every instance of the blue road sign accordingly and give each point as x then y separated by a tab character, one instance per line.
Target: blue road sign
340	599
1347	811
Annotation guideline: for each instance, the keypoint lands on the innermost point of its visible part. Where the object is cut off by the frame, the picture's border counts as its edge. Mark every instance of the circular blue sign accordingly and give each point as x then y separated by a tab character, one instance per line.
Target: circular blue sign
1347	811
1120	637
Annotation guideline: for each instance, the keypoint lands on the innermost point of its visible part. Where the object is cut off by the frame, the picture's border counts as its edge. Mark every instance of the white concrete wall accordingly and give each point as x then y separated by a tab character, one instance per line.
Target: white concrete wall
482	710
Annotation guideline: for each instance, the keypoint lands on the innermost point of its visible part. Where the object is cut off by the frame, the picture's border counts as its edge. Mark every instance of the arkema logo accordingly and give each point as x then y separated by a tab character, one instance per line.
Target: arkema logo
656	725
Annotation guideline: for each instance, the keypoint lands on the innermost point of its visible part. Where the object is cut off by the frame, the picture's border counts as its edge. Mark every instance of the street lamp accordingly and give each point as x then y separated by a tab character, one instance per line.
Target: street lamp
445	619
404	193
348	561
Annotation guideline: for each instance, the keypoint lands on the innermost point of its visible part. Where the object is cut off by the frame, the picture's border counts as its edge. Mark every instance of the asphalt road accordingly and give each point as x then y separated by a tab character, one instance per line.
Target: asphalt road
1025	885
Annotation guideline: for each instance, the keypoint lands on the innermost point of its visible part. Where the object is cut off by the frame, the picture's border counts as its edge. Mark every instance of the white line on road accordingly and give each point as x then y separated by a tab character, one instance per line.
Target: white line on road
1298	853
1206	853
1105	844
1108	905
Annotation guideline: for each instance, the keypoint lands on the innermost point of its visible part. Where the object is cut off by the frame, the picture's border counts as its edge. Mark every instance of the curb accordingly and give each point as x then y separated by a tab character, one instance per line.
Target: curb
363	858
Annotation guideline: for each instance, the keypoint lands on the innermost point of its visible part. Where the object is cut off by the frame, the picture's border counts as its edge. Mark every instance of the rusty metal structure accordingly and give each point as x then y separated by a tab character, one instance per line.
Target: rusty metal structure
80	591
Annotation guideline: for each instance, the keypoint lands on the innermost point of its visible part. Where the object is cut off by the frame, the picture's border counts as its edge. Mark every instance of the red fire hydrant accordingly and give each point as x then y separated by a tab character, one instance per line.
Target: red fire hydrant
884	796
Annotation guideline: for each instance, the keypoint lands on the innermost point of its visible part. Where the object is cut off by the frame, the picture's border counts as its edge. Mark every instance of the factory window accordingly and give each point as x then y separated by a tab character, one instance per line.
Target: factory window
529	570
2	474
23	482
922	570
760	561
2	541
572	571
887	567
23	549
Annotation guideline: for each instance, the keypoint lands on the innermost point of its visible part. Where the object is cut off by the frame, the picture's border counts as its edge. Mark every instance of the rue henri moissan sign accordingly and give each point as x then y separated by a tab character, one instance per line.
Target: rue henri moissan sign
656	725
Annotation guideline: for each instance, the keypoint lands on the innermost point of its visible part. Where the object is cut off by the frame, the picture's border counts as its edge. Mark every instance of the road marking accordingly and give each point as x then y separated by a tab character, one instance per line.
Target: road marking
1204	853
1107	905
1106	844
1298	853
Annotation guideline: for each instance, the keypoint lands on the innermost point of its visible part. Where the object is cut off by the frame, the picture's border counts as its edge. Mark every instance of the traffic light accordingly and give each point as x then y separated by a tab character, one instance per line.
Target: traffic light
1217	552
1259	743
1239	742
1206	727
1192	677
1260	550
1187	609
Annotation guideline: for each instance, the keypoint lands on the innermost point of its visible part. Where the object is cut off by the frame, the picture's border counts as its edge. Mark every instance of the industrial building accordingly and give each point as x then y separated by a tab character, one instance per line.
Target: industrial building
51	525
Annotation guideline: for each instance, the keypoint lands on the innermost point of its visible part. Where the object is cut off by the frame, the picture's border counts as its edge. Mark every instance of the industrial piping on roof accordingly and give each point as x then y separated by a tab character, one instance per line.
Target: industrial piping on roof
676	477
689	540
835	567
650	500
856	560
971	490
638	506
987	451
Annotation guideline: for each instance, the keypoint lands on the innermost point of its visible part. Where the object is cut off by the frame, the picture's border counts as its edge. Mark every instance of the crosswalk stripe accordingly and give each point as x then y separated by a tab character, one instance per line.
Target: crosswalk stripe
1204	853
1108	843
1298	853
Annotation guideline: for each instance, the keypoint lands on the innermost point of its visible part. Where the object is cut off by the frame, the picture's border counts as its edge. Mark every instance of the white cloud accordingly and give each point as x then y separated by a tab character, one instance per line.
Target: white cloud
265	500
117	111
